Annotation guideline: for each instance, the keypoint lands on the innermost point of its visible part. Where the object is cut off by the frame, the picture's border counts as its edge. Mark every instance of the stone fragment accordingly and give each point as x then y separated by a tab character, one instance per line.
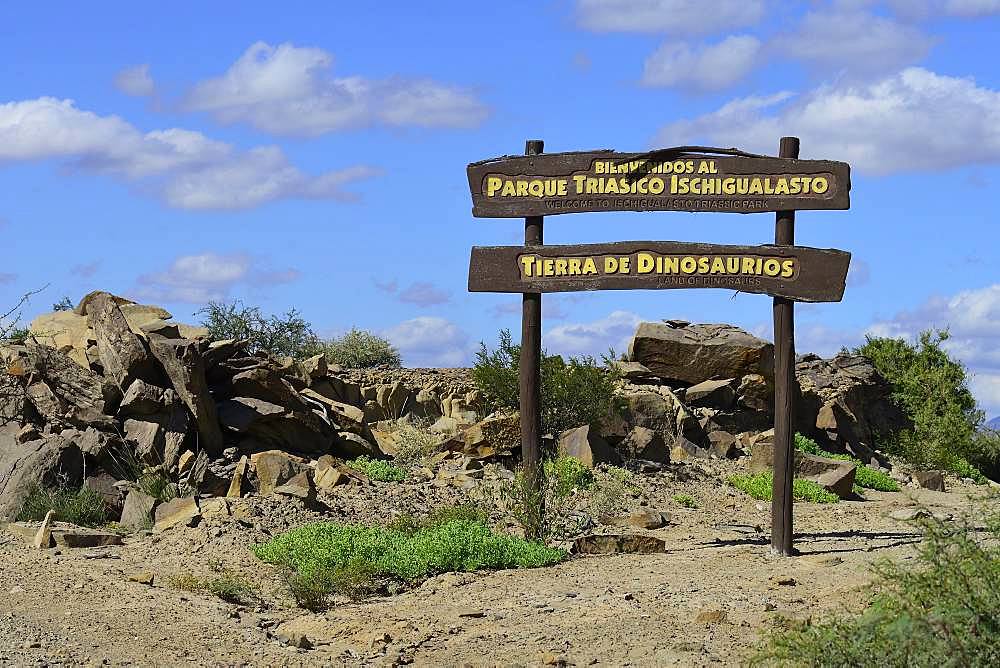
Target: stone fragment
274	468
933	480
719	394
182	362
67	535
711	617
184	461
143	577
909	514
644	518
619	544
351	445
138	510
239	474
66	331
585	444
684	449
722	444
316	366
300	486
645	443
755	394
142	398
123	354
28	432
182	511
43	537
691	354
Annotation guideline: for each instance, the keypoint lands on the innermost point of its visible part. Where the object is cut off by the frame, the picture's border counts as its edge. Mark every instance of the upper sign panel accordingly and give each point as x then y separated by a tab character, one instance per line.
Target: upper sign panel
555	183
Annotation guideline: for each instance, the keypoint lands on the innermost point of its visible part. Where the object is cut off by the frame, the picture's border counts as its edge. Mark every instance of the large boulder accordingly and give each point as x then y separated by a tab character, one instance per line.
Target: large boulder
680	352
272	426
23	466
65	331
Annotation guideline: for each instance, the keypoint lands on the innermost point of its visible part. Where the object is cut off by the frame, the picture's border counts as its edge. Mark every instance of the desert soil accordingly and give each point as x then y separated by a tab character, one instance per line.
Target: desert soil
702	602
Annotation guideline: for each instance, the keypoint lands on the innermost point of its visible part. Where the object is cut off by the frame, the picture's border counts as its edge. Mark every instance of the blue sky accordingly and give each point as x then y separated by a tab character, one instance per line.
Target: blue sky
314	156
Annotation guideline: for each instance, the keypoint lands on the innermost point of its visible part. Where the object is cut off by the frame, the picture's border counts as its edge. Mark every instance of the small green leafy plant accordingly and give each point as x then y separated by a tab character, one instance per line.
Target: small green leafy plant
758	486
685	500
288	335
225	584
414	443
378	469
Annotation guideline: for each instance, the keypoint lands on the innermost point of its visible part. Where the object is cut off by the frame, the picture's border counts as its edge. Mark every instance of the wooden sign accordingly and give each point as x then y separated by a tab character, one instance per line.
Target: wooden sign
794	272
554	183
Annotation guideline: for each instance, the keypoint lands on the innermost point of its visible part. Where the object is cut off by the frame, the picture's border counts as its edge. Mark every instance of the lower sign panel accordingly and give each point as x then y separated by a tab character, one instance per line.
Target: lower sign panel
794	272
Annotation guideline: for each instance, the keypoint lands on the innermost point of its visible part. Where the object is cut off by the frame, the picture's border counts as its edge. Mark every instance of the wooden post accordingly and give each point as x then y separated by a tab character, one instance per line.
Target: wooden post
784	387
531	352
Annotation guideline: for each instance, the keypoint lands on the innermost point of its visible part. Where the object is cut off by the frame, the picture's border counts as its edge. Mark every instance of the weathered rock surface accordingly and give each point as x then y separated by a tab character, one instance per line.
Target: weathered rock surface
689	354
41	462
585	444
619	544
182	362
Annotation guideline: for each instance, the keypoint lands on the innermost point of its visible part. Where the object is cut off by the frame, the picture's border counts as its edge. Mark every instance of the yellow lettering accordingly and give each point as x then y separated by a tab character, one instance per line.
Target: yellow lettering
578	180
493	184
574	266
787	268
589	267
610	265
644	262
623	265
772	267
548	266
820	185
509	190
527	261
561	267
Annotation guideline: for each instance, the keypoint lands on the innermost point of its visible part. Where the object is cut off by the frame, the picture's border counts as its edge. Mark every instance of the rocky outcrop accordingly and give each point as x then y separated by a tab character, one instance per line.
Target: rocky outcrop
680	352
49	460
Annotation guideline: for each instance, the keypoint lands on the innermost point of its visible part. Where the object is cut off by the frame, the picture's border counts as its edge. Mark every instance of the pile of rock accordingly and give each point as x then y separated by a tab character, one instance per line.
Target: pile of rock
706	391
112	388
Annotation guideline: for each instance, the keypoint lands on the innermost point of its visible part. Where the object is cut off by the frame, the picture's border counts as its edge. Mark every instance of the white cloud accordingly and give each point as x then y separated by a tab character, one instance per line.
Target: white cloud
859	273
592	338
973	320
855	42
289	90
679	17
923	9
913	121
198	279
184	168
421	293
135	81
706	68
430	341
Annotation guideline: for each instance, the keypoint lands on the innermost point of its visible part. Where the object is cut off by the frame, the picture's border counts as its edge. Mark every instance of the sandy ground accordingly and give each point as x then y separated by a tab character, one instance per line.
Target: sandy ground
702	602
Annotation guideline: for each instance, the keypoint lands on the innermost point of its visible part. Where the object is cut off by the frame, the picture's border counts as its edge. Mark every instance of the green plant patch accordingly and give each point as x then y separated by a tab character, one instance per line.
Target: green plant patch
83	507
317	555
568	473
758	486
685	500
378	469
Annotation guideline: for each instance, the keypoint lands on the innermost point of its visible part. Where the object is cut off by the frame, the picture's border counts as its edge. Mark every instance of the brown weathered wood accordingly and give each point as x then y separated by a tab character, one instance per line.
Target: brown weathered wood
784	387
551	168
531	352
820	275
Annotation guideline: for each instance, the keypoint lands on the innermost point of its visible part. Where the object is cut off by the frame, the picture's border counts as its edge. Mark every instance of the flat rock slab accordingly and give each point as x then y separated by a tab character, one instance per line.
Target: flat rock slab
619	544
66	535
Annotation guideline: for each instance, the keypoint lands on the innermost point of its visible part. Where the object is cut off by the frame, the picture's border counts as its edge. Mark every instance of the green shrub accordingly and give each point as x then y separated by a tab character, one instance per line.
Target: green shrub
932	390
227	585
611	491
82	506
567	474
414	443
378	469
940	609
318	556
289	335
686	500
758	486
359	349
865	476
573	393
